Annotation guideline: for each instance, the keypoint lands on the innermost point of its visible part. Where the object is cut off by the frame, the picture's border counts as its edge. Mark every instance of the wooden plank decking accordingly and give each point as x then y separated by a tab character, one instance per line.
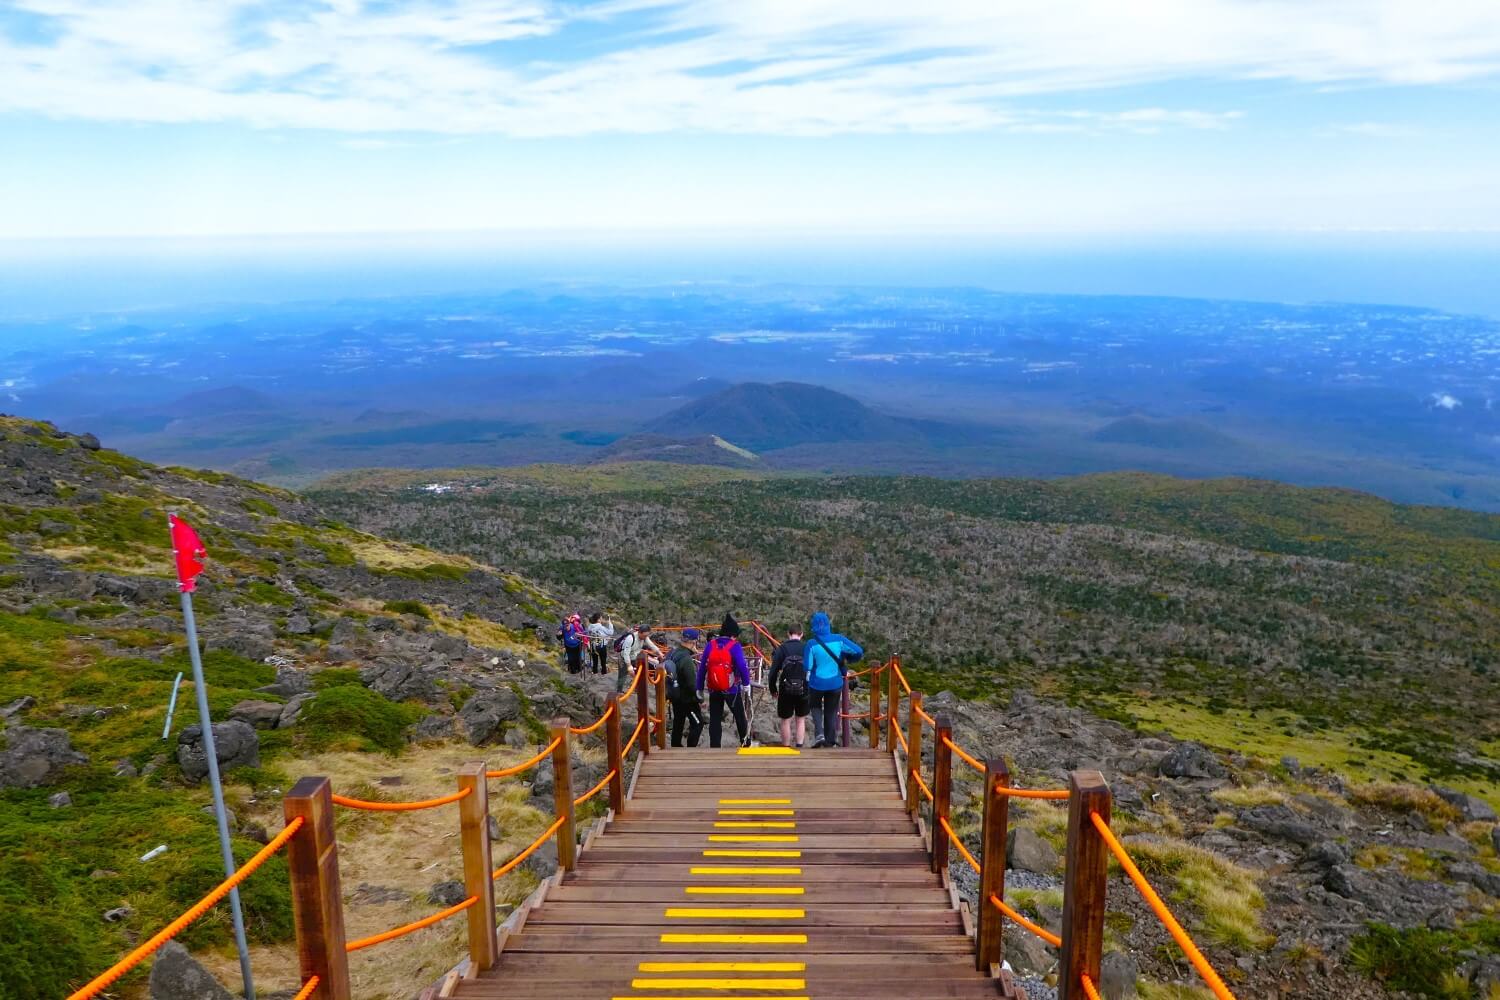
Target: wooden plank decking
751	877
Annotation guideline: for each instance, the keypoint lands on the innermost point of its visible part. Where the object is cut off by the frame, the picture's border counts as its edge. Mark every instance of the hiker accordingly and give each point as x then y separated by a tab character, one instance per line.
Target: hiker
682	679
827	655
788	685
634	645
723	673
574	639
599	636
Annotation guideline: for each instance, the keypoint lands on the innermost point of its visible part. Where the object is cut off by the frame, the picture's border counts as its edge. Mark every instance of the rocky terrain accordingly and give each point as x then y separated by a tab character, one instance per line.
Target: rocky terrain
385	664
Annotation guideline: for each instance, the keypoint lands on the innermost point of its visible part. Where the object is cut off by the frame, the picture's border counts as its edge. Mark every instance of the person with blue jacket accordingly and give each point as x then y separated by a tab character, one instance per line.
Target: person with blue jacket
827	654
574	638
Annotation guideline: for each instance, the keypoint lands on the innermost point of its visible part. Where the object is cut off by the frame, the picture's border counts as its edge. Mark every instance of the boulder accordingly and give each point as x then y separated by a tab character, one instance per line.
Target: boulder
298	625
176	975
248	645
36	757
399	680
260	714
432	729
61	800
448	893
290	680
1326	854
22	704
118	914
1476	875
88	442
1472	809
1026	953
1280	822
1191	760
1027	852
485	715
1117	976
292	710
235	745
543	861
1495	838
452	646
366	894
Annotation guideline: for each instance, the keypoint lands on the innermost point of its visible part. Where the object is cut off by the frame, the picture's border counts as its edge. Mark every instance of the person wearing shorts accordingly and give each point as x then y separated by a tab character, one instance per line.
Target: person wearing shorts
788	664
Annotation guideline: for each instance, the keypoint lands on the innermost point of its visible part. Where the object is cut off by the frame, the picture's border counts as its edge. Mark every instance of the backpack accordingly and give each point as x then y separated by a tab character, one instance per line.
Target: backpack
793	677
720	673
837	660
619	643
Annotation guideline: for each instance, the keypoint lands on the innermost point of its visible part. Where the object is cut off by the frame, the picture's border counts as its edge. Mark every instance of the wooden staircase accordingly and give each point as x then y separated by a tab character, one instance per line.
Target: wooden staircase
746	874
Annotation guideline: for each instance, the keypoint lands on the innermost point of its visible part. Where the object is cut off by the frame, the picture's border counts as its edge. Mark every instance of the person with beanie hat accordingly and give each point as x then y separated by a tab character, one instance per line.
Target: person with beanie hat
724	674
687	710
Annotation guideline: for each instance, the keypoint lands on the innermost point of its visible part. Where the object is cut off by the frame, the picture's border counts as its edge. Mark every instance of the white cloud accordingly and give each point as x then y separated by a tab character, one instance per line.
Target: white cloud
1444	401
779	66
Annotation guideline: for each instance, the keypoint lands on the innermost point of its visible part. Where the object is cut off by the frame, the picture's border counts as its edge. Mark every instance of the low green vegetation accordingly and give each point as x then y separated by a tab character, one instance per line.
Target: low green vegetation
1225	898
355	718
1421	960
409	608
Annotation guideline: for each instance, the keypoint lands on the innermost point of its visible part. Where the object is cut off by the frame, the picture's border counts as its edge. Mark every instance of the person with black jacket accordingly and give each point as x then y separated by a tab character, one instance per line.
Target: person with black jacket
687	712
788	685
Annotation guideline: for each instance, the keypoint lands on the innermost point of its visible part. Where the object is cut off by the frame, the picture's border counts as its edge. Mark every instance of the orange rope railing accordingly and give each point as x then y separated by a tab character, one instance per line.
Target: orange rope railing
900	677
1034	793
924	716
585	730
526	765
102	981
1021	921
308	988
348	803
595	790
922	785
1088	986
640	672
963	755
625	751
901	738
416	925
1160	909
973	863
538	842
861	715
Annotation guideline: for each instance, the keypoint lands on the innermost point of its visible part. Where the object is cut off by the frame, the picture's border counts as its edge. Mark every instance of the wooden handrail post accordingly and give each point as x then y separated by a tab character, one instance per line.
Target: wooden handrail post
616	763
474	838
642	704
317	900
661	706
913	754
942	788
844	719
989	943
562	793
892	703
874	710
1084	884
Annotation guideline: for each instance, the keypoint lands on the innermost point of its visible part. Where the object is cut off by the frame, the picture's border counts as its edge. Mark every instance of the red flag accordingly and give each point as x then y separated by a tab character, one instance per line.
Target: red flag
189	551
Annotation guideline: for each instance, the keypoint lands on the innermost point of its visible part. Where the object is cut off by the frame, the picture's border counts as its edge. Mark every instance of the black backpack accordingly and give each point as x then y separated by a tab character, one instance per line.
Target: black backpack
793	678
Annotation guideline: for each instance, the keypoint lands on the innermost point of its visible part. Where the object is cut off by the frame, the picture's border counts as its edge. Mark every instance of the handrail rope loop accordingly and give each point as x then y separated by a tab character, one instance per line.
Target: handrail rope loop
625	752
861	715
161	937
585	730
368	806
943	822
901	677
639	673
922	785
526	765
538	842
1163	914
963	755
308	988
596	789
901	737
1088	986
415	925
1022	922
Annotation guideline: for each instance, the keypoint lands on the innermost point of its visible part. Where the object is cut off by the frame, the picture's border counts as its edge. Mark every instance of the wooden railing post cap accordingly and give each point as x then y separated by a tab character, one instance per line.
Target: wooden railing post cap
309	787
1088	781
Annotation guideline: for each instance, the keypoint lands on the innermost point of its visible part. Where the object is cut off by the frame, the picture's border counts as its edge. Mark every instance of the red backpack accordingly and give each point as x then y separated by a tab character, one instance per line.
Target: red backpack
720	673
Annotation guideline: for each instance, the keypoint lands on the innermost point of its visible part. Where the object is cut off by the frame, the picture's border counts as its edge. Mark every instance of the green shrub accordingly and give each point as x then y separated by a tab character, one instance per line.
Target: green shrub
356	718
1421	960
409	608
430	572
335	677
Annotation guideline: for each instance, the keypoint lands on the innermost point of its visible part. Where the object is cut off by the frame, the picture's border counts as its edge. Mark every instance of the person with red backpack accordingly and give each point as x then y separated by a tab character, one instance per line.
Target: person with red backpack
724	674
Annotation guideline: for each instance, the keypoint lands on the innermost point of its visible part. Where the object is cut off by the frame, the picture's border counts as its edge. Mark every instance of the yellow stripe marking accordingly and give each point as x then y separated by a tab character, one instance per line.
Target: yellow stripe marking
745	870
678	996
731	913
718	984
722	967
768	752
670	938
754	838
740	824
752	854
755	802
757	812
744	890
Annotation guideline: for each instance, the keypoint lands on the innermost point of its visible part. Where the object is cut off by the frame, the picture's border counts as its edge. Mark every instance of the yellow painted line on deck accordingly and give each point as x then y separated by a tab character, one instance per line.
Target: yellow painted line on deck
755	802
743	824
718	984
732	913
722	967
678	996
741	870
744	890
757	812
752	854
754	838
768	752
672	938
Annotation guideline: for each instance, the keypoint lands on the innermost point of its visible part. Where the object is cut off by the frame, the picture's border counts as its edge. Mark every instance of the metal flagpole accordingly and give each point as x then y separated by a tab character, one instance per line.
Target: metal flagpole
213	776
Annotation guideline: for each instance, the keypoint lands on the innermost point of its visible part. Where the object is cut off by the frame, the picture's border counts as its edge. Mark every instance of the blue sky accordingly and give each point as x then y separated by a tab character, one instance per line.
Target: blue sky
185	117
